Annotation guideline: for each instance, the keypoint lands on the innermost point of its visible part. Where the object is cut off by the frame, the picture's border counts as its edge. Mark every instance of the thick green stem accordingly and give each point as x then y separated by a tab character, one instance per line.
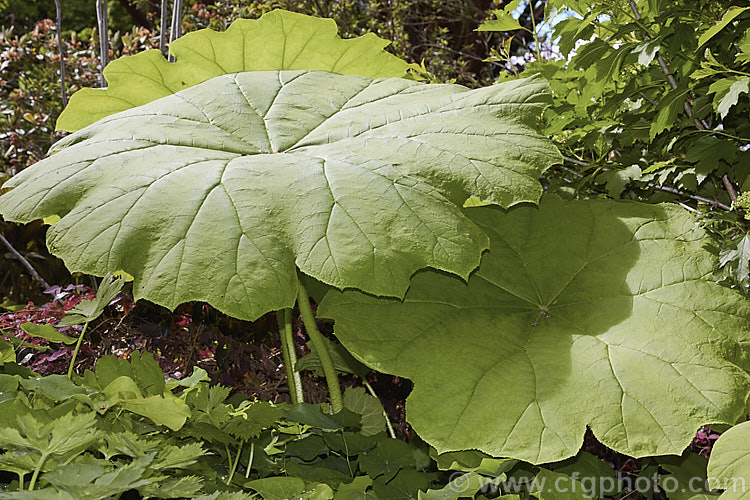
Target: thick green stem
334	389
75	351
286	334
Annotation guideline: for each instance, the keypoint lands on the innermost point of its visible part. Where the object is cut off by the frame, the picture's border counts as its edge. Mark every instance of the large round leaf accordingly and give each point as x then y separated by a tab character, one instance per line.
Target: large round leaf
278	40
217	192
729	466
589	313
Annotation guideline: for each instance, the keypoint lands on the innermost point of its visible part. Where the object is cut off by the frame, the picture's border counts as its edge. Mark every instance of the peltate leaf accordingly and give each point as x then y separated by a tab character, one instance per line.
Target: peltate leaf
390	456
729	466
220	192
278	40
373	415
590	313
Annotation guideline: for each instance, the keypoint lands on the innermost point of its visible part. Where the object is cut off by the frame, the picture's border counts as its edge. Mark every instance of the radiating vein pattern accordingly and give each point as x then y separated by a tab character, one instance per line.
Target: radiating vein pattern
221	191
590	313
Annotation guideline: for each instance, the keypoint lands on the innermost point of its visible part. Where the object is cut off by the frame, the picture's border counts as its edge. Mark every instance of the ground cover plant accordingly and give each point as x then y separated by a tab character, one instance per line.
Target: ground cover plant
347	185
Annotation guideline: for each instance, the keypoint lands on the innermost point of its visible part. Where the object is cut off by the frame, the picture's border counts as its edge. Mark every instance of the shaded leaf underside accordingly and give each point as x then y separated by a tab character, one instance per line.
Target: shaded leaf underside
279	40
584	313
220	192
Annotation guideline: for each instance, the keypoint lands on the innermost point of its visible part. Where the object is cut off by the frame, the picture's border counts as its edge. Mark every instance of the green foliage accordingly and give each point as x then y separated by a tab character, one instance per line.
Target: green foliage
729	466
574	310
650	103
29	82
88	441
299	42
575	307
30	94
411	143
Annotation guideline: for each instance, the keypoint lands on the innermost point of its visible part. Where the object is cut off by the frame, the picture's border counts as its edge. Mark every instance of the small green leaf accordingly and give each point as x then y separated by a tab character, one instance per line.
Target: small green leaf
47	332
727	92
390	456
177	487
108	368
122	388
350	443
198	375
406	485
177	457
504	22
618	179
670	106
744	45
355	490
277	488
332	471
62	438
164	410
734	256
307	448
18	463
250	418
373	417
55	387
709	154
7	352
90	309
727	18
147	373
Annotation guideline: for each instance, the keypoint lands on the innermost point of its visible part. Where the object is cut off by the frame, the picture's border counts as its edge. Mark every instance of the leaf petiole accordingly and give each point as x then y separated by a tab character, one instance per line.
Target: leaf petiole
38	469
308	318
286	335
77	348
